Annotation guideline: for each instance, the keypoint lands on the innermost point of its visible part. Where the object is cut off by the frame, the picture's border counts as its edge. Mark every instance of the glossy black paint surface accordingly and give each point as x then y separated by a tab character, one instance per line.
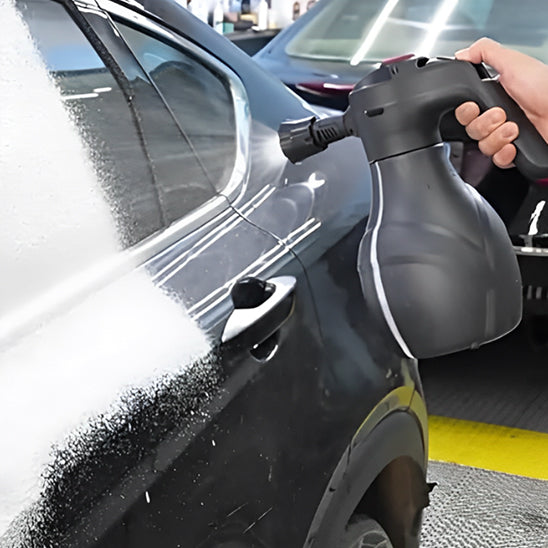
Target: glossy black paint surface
238	450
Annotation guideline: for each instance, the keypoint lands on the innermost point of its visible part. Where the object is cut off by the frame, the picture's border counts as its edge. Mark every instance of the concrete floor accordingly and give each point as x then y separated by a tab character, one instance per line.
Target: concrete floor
488	446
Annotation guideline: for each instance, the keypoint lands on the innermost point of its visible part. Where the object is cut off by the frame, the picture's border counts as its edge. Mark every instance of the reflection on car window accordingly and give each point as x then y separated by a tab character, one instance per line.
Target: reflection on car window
105	122
356	31
199	98
148	171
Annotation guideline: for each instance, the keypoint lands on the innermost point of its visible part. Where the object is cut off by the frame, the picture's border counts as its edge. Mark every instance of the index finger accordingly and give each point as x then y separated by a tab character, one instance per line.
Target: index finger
467	112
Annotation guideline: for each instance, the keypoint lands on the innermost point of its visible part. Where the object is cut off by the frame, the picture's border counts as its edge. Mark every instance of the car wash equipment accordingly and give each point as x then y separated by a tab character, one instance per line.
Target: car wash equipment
436	263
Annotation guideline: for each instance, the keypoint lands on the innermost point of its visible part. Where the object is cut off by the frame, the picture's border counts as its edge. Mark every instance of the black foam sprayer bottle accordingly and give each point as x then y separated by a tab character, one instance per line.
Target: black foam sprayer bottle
436	263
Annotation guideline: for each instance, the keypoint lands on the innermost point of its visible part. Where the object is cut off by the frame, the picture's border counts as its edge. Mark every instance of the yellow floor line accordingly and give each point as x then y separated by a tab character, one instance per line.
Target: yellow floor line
499	448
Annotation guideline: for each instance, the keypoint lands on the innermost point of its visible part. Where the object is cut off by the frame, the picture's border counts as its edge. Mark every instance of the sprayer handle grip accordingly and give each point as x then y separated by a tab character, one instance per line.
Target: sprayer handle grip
532	150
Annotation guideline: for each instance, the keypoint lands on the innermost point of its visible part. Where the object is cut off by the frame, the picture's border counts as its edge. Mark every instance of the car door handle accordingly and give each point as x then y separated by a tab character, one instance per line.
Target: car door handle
274	300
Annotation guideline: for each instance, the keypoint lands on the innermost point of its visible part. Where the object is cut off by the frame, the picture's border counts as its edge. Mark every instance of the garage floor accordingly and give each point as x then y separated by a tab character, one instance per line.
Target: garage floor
473	508
488	446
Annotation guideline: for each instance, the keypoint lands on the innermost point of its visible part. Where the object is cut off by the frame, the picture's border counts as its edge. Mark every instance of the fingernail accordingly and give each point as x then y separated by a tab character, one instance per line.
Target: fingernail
461	52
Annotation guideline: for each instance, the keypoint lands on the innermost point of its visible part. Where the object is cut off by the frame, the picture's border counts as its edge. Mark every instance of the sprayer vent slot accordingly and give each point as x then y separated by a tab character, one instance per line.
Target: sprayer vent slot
327	134
374	112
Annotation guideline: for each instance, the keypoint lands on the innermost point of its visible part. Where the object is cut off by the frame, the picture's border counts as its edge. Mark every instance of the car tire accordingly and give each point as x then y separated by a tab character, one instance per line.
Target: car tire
364	532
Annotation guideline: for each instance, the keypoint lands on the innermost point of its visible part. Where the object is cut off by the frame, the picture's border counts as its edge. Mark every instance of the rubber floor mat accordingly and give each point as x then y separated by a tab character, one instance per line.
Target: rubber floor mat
475	508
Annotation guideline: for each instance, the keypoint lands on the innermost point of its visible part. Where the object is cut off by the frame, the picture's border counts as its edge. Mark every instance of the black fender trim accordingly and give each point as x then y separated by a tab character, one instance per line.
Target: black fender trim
397	435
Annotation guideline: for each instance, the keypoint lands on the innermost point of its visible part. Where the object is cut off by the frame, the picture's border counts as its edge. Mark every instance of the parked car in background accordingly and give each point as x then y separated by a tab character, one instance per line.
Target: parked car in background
325	52
186	358
251	40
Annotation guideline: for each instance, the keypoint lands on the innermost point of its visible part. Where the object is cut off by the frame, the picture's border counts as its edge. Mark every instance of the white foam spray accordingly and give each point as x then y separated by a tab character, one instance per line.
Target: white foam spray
53	216
54	223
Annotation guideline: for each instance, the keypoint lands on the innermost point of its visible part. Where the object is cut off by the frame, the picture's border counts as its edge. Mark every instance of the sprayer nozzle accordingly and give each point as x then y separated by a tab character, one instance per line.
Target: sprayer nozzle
300	139
296	139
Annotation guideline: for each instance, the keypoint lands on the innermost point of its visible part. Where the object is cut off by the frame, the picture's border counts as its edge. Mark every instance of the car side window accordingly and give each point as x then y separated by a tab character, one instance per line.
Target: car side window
99	110
198	96
148	169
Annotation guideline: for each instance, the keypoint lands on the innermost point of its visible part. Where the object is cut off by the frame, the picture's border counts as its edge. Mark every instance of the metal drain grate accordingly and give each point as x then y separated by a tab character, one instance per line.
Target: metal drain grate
473	508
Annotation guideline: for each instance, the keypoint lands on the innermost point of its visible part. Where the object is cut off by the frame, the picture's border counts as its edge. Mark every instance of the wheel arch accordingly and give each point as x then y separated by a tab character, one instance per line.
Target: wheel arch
383	475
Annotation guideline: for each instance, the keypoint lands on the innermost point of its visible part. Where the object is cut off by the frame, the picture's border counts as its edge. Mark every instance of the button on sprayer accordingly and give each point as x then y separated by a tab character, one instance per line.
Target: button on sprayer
436	264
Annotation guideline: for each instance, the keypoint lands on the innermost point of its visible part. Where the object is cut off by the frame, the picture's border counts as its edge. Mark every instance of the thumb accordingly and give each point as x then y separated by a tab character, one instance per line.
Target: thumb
484	50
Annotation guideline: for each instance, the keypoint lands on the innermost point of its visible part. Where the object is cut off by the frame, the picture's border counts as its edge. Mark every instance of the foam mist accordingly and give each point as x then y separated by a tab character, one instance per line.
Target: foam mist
55	222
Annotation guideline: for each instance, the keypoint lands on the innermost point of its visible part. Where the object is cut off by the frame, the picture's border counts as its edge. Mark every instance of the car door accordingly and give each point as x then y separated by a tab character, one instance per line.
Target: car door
170	379
316	211
319	209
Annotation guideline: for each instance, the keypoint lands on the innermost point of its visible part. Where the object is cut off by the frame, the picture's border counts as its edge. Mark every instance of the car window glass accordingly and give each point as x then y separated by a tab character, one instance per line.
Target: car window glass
148	172
92	163
76	184
199	97
105	123
356	31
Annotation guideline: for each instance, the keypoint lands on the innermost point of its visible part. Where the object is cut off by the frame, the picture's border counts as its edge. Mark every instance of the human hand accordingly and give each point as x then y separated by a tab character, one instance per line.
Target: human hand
525	79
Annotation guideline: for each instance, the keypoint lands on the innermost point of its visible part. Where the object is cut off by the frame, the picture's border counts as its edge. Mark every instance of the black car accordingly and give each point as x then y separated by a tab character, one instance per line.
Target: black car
326	51
186	355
